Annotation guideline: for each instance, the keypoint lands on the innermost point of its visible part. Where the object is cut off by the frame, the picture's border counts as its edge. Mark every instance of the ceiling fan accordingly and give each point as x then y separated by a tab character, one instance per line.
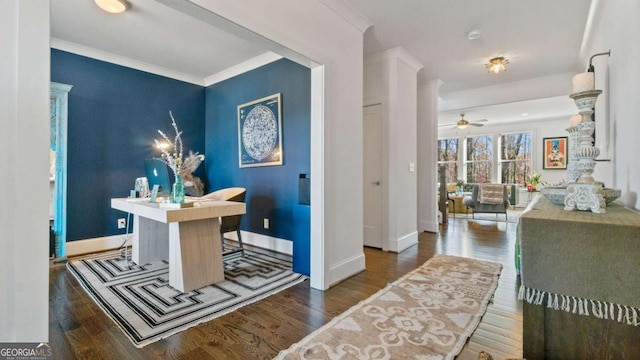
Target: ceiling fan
463	123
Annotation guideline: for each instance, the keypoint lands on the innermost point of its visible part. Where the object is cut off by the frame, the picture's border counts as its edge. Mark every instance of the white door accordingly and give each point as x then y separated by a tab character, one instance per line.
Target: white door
372	175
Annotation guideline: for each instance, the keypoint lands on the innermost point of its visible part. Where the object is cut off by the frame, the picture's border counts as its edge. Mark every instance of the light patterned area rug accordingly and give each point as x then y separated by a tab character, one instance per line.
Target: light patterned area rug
140	300
427	314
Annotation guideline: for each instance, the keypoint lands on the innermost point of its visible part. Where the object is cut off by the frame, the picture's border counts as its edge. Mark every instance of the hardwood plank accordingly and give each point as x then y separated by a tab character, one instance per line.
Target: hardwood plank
58	341
84	347
198	353
110	340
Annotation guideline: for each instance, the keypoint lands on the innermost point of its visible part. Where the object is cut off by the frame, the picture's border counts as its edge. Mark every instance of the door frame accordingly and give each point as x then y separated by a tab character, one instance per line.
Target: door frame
59	118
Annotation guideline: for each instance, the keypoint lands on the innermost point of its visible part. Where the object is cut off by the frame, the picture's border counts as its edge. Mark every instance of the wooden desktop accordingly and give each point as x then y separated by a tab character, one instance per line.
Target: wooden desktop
188	237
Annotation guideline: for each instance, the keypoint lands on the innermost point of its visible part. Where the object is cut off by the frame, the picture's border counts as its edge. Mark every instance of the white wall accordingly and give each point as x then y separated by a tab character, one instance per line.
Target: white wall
314	31
390	78
24	144
427	136
616	27
540	128
403	125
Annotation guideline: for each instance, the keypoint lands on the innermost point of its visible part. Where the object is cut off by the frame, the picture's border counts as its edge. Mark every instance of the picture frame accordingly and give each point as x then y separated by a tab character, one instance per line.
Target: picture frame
554	153
260	132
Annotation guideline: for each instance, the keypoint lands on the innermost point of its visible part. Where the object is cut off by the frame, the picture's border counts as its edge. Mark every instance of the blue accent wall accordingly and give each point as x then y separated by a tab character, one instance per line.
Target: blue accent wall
272	191
114	115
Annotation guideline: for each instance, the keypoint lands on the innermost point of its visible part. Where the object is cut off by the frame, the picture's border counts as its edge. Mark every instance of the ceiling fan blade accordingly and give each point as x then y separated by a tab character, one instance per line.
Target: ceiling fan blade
455	124
475	124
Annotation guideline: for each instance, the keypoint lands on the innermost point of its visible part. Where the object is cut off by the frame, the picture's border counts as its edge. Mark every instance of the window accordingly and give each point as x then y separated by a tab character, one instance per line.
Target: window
448	156
515	158
479	159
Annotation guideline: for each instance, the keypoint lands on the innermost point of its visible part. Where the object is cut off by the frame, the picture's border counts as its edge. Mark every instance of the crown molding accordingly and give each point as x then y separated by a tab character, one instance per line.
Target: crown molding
349	14
241	68
123	61
394	53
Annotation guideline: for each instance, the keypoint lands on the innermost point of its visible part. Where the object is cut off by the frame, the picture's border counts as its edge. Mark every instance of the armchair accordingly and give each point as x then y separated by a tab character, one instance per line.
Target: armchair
229	223
488	198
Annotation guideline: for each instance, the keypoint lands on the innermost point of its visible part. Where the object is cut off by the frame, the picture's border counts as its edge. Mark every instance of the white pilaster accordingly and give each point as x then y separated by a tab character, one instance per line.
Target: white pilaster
427	155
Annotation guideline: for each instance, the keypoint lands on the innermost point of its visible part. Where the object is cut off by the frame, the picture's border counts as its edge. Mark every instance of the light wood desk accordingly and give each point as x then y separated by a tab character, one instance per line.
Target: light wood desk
188	237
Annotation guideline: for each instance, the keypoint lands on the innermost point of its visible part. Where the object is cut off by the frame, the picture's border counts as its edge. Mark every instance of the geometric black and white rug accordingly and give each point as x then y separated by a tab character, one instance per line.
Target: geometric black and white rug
141	302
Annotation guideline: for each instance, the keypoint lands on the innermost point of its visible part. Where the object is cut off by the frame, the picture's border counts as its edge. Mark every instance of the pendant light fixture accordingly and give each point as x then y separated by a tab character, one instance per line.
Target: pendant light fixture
497	65
112	6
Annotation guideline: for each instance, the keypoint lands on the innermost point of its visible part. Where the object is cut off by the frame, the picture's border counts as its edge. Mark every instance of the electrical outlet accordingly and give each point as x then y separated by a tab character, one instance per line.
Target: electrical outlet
266	223
122	223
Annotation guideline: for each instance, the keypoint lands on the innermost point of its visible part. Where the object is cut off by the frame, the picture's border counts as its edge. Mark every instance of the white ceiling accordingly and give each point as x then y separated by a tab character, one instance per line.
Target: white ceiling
150	33
540	38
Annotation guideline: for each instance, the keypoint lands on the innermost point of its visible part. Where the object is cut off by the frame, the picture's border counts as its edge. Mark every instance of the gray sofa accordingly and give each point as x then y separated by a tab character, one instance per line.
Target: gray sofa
474	202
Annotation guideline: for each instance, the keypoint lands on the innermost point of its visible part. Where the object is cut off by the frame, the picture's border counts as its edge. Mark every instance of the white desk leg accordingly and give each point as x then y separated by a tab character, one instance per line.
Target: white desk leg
195	254
150	240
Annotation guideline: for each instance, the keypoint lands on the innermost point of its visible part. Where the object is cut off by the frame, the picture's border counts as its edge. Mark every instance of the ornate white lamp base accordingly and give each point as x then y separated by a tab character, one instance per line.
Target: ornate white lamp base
585	196
585	192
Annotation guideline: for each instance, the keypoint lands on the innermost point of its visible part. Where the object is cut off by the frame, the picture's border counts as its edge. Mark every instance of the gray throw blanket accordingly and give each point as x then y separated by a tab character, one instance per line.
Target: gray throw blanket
491	194
582	262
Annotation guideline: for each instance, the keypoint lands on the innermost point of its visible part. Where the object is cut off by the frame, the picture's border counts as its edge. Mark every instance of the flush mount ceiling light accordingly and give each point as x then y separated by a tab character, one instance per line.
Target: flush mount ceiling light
473	34
497	65
112	6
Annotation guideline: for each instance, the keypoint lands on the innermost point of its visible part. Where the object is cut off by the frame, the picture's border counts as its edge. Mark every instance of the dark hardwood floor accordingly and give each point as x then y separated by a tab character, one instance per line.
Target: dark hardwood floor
78	329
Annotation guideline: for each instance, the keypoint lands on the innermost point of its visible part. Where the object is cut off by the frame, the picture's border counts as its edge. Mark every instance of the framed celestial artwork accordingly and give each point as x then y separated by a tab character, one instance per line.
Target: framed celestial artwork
260	132
554	153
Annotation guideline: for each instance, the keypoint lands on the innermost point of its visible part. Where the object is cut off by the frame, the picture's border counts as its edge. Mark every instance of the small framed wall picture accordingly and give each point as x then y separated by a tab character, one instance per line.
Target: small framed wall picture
554	153
260	132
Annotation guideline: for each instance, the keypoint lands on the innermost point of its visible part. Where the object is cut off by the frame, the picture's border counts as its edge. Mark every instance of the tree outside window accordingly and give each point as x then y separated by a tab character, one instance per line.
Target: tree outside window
448	156
479	159
515	158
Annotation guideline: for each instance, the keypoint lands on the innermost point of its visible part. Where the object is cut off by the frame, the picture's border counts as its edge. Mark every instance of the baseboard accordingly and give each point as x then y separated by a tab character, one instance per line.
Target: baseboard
346	269
404	242
263	241
81	247
87	246
430	226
